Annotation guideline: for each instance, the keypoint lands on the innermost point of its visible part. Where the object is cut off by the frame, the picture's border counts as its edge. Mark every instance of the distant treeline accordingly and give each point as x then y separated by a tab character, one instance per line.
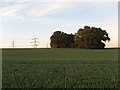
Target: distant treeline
88	37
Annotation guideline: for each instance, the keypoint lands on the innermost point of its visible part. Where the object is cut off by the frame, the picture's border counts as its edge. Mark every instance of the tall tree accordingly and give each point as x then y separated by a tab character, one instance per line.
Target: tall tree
61	40
90	37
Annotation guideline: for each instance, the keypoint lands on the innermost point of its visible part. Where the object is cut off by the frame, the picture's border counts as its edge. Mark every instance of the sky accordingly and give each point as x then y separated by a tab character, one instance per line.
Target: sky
22	20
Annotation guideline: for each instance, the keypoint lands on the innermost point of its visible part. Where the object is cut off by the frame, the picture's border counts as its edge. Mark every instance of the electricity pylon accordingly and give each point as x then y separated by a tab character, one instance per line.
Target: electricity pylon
35	42
13	43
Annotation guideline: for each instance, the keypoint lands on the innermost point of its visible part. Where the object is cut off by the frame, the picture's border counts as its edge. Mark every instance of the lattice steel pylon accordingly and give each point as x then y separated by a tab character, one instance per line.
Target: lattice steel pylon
35	42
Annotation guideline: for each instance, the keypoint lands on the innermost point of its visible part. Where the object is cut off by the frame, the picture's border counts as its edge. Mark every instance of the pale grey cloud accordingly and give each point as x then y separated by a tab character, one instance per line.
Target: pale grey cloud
48	8
59	0
31	9
11	10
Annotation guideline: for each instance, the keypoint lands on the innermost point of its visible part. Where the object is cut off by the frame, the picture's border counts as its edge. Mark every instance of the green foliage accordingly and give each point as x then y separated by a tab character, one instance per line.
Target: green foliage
60	68
89	37
61	40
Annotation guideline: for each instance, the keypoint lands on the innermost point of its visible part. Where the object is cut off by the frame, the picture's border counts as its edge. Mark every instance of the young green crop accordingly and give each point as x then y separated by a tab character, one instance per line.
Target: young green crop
60	68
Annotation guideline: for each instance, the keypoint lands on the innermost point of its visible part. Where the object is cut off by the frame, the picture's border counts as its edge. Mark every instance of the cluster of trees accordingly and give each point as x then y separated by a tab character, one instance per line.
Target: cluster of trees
88	37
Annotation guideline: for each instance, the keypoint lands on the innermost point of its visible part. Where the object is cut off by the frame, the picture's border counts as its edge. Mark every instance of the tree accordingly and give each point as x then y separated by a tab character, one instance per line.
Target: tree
61	40
90	37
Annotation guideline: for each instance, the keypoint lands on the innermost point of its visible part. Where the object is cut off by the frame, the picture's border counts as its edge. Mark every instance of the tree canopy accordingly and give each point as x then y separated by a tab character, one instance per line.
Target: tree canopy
88	37
61	40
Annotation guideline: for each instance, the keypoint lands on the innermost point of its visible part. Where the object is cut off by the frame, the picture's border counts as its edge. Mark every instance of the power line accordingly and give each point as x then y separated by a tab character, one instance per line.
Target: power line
13	43
35	42
46	45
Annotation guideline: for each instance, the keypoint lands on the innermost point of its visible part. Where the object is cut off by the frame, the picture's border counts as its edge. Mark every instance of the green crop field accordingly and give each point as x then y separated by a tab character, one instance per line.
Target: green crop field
60	68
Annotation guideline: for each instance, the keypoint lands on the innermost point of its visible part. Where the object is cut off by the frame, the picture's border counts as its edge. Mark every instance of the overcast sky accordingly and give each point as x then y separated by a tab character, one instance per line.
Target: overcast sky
22	20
